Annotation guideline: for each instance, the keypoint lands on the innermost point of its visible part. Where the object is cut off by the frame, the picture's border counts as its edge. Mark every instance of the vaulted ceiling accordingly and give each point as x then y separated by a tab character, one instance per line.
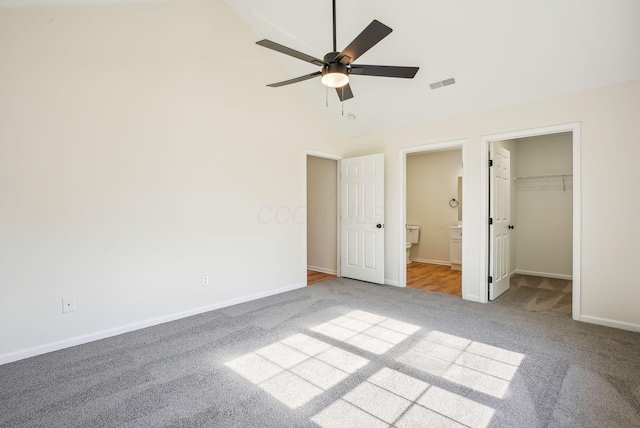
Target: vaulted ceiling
500	52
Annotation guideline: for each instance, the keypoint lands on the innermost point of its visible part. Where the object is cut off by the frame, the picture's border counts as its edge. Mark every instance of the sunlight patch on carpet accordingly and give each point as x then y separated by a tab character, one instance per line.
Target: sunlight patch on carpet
390	397
478	366
364	330
297	369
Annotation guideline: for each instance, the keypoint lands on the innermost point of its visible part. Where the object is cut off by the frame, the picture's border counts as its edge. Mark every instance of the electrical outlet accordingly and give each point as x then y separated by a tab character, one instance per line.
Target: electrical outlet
68	304
205	280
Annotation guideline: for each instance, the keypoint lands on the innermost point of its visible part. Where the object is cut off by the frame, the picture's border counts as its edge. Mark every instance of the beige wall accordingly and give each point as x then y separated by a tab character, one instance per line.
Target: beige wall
139	151
544	214
322	223
432	181
609	156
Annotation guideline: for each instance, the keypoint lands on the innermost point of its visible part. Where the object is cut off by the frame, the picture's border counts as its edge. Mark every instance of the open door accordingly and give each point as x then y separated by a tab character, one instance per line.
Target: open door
362	218
499	220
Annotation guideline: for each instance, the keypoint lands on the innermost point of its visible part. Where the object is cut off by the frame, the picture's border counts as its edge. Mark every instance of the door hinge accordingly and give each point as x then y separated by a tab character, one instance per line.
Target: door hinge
490	220
490	280
490	162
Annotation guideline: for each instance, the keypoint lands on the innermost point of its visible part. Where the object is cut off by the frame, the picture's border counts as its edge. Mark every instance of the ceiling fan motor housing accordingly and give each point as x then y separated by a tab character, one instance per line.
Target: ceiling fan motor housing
334	67
334	74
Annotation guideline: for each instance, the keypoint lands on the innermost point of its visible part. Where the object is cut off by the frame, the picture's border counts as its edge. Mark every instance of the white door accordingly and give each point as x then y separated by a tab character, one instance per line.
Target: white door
362	218
500	215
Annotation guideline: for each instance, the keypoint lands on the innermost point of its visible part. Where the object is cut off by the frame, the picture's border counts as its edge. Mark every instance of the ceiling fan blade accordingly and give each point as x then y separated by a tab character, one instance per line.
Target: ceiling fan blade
291	52
384	71
296	80
369	37
344	93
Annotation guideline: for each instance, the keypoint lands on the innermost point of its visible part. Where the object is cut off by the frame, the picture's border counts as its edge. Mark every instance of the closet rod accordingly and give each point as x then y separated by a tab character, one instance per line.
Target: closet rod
529	177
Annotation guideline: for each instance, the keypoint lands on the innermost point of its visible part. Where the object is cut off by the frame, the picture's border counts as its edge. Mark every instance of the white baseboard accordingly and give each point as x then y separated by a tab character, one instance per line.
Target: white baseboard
79	340
322	270
391	282
472	298
432	262
544	274
610	323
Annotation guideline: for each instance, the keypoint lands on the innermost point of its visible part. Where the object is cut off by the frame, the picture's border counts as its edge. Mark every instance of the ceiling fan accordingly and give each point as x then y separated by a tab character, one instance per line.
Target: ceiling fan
337	66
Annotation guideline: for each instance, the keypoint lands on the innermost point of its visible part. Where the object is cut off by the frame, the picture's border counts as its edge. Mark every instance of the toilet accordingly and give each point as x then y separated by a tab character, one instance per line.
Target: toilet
413	234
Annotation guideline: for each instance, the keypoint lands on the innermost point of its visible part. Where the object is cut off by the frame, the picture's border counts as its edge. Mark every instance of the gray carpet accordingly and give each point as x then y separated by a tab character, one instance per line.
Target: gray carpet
535	293
340	353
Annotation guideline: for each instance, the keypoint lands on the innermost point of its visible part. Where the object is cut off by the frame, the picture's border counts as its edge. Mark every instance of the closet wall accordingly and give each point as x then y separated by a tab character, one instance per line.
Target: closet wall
544	206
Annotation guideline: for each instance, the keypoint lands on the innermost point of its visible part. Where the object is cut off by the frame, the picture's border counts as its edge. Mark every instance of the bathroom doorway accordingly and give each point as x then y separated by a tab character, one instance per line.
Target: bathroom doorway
433	193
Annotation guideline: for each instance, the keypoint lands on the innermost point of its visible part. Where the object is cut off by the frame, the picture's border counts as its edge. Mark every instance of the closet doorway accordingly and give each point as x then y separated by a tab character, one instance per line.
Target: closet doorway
533	258
322	217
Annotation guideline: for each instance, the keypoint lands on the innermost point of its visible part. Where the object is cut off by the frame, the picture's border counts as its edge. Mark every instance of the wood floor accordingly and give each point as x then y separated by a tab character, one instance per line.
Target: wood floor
423	276
438	278
314	277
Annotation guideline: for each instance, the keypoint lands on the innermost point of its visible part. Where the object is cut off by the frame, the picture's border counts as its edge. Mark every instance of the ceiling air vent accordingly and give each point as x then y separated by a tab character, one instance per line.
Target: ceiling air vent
441	83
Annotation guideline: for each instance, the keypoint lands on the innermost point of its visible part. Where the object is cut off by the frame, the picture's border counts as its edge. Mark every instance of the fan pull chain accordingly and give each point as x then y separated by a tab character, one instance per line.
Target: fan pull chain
326	97
342	101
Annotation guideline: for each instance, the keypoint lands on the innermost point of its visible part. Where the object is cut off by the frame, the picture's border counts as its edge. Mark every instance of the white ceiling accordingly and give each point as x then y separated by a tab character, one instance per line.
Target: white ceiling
500	52
62	3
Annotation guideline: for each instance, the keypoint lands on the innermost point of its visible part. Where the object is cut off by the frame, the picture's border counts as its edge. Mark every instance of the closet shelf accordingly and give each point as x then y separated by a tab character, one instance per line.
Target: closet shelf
564	178
531	177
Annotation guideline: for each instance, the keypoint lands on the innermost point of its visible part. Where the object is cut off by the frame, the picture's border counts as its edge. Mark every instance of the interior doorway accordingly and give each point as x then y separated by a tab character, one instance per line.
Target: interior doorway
454	195
539	252
434	220
533	248
322	217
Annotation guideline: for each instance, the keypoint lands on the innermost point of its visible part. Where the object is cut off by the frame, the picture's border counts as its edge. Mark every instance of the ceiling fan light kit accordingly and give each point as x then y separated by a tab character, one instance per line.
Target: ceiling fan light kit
335	75
337	66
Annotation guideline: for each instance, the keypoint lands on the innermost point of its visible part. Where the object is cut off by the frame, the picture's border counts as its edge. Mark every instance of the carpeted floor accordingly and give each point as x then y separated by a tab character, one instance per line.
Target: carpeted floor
535	293
341	353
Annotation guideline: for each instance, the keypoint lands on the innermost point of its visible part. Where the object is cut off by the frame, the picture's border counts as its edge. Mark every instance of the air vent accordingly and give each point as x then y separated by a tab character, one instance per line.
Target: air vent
441	83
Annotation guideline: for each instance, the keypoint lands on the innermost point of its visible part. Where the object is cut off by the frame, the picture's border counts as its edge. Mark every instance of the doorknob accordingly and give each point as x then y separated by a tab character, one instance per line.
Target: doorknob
511	226
379	226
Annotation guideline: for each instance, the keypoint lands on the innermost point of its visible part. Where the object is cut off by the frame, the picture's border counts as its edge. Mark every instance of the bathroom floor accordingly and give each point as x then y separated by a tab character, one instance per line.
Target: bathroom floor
438	278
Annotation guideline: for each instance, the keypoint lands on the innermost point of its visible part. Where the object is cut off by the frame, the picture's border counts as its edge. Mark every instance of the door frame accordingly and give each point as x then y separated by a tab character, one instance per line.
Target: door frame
466	244
574	128
336	158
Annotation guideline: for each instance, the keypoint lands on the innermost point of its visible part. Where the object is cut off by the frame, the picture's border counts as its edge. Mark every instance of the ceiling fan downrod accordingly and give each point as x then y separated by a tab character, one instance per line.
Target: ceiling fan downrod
334	26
